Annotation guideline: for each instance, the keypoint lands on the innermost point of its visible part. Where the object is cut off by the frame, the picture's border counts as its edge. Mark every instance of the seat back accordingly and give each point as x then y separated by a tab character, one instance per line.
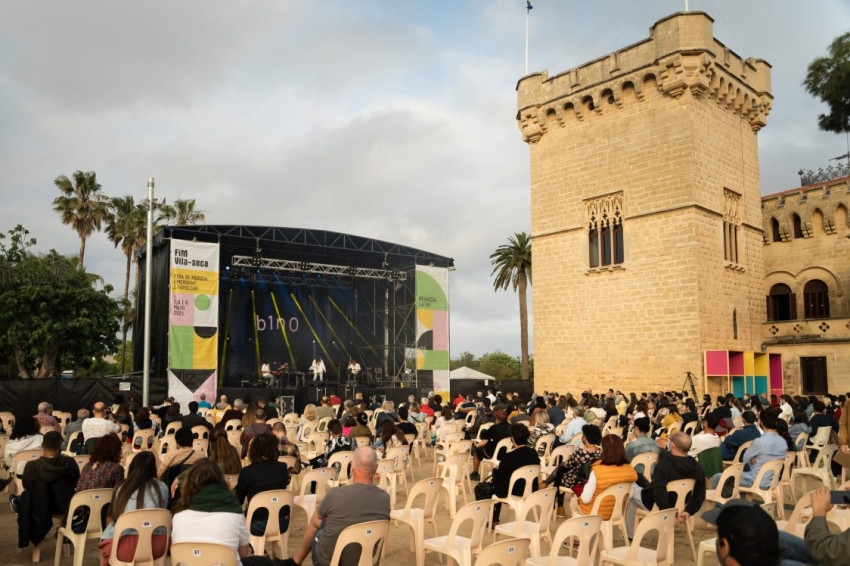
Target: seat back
821	437
690	428
482	428
370	537
362	441
470	417
537	508
734	471
201	445
167	444
455	468
796	519
343	459
74	441
233	424
450	438
543	446
273	501
200	431
586	528
81	460
508	552
503	447
20	460
774	467
478	513
824	457
428	488
620	492
232	480
323	424
143	440
290	461
527	474
460	446
648	459
739	455
801	440
45	429
144	522
233	436
660	522
321	477
561	454
683	489
95	500
173	427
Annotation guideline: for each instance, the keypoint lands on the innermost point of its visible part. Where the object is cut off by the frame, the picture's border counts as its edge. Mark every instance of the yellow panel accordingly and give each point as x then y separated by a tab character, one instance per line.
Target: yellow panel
205	352
749	363
761	364
194	281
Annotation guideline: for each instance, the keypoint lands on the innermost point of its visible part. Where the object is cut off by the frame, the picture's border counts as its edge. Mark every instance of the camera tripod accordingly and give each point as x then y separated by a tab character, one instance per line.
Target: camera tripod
689	379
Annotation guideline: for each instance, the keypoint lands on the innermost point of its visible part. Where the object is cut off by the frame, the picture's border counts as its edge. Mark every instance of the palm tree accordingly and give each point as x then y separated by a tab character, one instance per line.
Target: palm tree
512	267
126	226
81	205
182	212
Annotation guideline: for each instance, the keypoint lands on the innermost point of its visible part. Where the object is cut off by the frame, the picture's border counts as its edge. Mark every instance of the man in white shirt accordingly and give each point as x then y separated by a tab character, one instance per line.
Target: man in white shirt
318	369
99	424
574	427
708	437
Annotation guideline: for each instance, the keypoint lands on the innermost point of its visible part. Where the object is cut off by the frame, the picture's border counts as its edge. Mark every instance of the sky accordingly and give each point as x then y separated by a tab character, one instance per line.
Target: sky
390	120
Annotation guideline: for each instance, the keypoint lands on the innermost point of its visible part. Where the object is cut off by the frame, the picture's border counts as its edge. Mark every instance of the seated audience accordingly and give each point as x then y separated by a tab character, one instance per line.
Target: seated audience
286	447
182	456
731	443
264	473
223	453
74	426
193	418
257	428
100	424
769	446
490	438
25	436
611	469
573	473
104	469
45	417
361	428
390	437
521	455
642	442
707	438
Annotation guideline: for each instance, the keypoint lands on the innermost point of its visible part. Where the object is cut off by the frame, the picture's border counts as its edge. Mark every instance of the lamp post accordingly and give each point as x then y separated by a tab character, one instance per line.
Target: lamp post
146	364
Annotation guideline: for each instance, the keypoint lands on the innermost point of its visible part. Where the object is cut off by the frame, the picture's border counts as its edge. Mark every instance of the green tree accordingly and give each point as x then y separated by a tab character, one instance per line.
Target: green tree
512	268
828	78
182	212
500	365
51	314
466	359
81	206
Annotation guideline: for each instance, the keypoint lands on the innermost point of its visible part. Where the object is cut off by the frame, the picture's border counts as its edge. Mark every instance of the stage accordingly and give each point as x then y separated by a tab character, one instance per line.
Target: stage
296	398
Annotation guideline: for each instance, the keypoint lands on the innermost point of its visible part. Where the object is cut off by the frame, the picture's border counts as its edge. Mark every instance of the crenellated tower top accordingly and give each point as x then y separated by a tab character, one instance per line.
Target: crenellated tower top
680	56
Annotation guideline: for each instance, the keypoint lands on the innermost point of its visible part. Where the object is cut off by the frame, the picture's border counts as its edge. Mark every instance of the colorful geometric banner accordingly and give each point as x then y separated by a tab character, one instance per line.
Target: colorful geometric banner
432	326
193	320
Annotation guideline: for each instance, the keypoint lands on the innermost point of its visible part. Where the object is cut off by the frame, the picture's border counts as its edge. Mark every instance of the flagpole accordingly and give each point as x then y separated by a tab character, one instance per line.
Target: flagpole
146	352
527	14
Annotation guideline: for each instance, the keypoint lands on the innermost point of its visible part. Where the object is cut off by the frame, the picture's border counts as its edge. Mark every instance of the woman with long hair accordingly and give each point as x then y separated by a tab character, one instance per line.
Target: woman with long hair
173	414
223	453
144	422
264	474
104	469
612	468
542	426
446	417
571	474
207	511
141	490
391	436
309	420
25	436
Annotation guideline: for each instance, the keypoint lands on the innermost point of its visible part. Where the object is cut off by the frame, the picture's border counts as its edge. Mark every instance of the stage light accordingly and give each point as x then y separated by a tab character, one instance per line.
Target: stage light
304	266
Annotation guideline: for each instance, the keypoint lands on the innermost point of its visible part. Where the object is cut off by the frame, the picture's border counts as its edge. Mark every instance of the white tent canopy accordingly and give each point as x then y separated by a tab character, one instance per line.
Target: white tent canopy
464	372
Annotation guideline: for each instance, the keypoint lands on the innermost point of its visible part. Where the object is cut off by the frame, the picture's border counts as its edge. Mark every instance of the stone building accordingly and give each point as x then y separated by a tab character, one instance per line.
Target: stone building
806	267
646	216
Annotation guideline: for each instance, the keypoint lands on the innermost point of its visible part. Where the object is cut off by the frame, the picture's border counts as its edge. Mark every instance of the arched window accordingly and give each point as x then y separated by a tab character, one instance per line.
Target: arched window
816	299
774	228
798	227
781	303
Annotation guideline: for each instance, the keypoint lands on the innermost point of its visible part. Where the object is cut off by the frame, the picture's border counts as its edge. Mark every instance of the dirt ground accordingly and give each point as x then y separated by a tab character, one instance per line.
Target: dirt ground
397	552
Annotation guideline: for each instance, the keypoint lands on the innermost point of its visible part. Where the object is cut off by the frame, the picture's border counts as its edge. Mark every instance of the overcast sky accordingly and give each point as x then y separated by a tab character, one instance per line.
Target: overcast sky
393	120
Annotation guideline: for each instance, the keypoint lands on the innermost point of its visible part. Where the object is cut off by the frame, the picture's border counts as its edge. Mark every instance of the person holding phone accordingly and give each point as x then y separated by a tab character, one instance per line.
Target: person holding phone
819	546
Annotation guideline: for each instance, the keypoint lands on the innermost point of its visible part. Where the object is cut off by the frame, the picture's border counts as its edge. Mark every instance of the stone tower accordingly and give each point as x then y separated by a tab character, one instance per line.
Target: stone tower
645	210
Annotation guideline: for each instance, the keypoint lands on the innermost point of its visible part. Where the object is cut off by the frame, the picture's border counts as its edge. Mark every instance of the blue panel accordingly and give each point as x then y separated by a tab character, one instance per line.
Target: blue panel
761	385
738	386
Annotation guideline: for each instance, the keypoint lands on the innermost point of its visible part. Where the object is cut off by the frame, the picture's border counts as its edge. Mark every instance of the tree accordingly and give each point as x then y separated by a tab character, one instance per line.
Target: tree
51	314
512	268
182	212
828	78
466	359
126	226
81	206
500	365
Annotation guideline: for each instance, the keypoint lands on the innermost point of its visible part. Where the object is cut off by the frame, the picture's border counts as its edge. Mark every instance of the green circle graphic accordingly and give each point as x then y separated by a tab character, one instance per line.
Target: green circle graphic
202	302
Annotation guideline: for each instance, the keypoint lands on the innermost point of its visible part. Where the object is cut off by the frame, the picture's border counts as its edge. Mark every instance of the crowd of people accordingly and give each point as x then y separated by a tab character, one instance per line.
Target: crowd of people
605	433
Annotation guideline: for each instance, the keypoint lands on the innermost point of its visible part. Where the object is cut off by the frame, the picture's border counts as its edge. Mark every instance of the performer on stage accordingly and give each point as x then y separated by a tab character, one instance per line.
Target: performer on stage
318	369
281	371
353	369
266	371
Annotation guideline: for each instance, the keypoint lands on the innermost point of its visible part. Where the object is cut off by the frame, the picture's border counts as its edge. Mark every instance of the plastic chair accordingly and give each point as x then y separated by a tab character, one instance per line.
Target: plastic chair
821	469
504	446
370	536
19	462
482	428
362	441
785	483
441	449
733	473
510	552
708	546
459	548
233	424
144	522
584	529
273	501
452	475
232	480
201	445
543	447
820	440
74	441
81	460
649	460
323	424
95	500
416	517
634	554
45	429
690	428
233	437
533	524
401	455
143	440
310	501
739	455
766	494
173	427
525	474
387	478
683	489
796	523
558	456
620	492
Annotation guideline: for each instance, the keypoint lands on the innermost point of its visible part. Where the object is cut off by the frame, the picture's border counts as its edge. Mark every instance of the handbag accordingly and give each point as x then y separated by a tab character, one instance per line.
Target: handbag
485	489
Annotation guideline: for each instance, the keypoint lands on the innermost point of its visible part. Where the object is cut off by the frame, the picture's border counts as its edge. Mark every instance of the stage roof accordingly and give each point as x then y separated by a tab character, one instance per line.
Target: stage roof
305	244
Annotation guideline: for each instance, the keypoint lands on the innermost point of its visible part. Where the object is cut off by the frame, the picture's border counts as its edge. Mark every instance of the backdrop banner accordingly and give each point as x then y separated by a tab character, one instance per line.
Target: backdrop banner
432	327
193	320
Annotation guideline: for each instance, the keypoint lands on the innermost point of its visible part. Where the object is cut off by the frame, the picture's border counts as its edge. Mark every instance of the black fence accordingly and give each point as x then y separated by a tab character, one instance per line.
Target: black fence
24	395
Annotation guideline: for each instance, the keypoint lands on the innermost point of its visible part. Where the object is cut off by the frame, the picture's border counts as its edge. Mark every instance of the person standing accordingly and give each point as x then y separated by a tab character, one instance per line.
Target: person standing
318	369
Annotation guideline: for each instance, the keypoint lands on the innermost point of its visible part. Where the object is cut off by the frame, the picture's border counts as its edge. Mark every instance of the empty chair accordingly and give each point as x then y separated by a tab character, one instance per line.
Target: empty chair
74	441
144	522
233	424
821	469
796	523
370	537
143	440
533	523
529	475
683	489
558	456
200	431
341	461
202	554
94	500
634	554
733	474
277	503
310	501
201	445
585	530
453	483
457	547
173	427
417	517
510	552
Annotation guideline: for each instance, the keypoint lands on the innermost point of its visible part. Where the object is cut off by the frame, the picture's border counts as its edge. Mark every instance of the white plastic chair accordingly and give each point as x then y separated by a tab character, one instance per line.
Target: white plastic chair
734	473
510	552
273	501
144	522
586	530
95	500
416	517
821	469
460	548
533	524
370	537
310	501
525	474
634	554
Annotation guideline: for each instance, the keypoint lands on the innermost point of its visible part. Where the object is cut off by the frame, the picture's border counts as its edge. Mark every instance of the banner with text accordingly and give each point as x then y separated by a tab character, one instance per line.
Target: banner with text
193	320
432	327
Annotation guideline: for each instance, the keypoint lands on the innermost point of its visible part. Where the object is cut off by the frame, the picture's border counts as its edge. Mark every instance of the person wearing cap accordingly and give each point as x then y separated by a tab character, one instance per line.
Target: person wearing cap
746	536
673	464
490	437
729	446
